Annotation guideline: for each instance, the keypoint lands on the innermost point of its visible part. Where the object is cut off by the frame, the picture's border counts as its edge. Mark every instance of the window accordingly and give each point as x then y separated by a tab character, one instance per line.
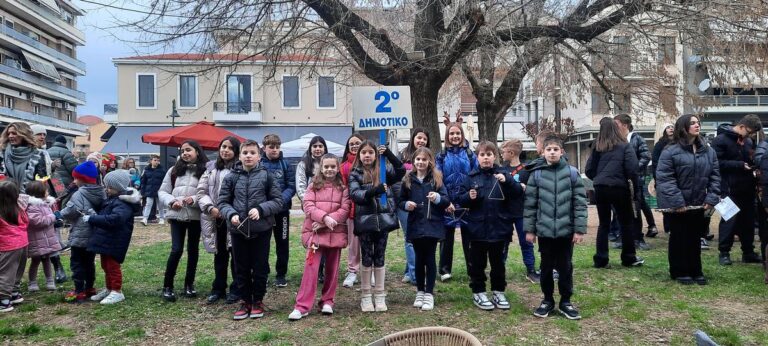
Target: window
326	93
623	103
9	101
9	23
188	91
668	100
666	50
36	109
291	93
622	61
238	94
145	91
599	105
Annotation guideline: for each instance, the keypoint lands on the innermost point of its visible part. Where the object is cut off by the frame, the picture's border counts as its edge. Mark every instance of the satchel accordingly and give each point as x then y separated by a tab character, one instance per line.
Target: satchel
384	220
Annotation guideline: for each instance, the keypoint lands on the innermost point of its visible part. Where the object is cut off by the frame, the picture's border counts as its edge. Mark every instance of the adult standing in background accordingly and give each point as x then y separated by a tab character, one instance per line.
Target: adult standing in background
40	134
22	159
64	162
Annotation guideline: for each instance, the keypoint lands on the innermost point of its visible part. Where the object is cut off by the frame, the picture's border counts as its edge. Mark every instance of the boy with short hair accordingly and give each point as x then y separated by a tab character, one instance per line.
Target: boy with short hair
283	173
149	185
556	213
250	199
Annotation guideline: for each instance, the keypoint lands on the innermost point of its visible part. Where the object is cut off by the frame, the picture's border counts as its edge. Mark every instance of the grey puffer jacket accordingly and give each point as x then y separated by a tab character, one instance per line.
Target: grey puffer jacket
207	195
688	178
65	162
244	190
85	201
185	186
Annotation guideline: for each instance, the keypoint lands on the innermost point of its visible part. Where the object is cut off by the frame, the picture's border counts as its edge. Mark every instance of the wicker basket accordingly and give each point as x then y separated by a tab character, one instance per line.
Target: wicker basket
425	336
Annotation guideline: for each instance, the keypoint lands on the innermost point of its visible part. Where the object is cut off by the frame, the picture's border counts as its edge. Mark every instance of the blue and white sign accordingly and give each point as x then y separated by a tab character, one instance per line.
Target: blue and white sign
382	108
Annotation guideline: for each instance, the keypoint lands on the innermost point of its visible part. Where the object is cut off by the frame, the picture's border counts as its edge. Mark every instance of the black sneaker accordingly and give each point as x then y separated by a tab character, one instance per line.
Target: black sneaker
544	309
751	258
534	276
639	261
214	297
642	245
189	291
555	275
168	295
232	298
569	311
725	259
6	305
652	232
16	298
704	244
617	245
281	282
709	237
613	237
685	280
700	280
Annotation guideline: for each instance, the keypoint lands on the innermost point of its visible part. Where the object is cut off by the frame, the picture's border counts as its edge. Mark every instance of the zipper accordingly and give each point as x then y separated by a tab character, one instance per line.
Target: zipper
247	188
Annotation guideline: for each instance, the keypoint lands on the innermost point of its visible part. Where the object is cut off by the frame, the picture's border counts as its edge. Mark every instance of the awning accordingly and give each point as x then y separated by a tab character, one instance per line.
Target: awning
108	133
42	66
127	140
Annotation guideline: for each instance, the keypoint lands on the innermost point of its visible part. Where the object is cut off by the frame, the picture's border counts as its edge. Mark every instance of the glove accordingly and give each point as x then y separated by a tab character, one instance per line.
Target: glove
57	214
86	218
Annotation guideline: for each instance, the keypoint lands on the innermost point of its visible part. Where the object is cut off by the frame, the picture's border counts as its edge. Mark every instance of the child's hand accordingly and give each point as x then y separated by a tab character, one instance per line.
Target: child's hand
523	185
432	196
473	194
530	237
500	177
235	220
410	206
329	222
176	205
382	149
379	189
253	214
316	226
215	213
189	200
86	218
578	238
450	208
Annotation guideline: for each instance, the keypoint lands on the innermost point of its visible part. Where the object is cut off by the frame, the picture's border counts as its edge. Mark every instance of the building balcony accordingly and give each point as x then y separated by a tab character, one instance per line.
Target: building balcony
735	103
46	19
42	50
48	88
43	119
237	112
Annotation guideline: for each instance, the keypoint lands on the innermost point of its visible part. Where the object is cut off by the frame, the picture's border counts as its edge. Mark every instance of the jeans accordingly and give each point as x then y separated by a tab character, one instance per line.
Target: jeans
410	254
252	265
151	202
556	253
684	244
83	268
526	247
179	231
425	266
480	253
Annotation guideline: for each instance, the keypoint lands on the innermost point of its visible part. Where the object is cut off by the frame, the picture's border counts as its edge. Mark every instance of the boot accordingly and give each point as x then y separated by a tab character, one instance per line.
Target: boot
61	274
379	294
366	304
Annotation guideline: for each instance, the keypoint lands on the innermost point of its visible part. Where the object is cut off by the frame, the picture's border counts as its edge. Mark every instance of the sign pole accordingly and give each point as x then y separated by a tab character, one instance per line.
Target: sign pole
383	164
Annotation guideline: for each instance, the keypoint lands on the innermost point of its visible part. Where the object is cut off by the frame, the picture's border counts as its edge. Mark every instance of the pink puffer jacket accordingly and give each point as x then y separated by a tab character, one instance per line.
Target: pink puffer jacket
331	201
14	237
42	235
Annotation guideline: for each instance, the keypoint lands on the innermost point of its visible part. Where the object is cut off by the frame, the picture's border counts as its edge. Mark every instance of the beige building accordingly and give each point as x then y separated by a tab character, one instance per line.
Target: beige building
91	142
39	65
249	96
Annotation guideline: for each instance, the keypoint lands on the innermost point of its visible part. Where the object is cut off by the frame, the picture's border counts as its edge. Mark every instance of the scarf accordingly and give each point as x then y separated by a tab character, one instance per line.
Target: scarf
20	164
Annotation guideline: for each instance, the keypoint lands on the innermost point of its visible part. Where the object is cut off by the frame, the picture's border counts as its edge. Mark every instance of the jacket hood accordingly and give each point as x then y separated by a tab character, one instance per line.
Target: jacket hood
38	201
726	129
264	157
131	196
543	163
537	162
240	170
59	145
95	194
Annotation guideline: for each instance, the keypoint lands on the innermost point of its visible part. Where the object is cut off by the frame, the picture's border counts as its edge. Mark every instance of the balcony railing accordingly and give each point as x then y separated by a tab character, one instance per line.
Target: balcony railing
48	50
41	82
42	119
56	18
738	100
237	107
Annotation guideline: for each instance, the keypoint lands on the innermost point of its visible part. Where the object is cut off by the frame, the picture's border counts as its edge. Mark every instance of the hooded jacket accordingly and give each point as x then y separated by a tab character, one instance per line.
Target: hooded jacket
151	180
42	235
330	201
208	189
764	178
555	208
490	214
14	237
420	224
67	162
761	152
284	175
455	163
170	192
244	190
638	144
85	201
113	225
687	178
732	154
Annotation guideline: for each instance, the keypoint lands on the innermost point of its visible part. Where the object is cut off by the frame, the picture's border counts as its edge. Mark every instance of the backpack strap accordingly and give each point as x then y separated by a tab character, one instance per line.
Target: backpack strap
574	175
284	167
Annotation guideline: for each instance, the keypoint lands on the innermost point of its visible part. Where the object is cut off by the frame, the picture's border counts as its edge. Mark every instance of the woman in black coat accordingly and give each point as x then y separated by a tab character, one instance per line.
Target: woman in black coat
613	168
687	177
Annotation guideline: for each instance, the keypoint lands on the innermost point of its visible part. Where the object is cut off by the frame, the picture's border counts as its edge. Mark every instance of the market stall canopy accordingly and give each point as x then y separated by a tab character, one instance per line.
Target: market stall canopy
206	134
298	147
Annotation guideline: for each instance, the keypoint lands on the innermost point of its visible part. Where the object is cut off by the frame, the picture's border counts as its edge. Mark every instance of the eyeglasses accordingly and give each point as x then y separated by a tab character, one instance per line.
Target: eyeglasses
355	144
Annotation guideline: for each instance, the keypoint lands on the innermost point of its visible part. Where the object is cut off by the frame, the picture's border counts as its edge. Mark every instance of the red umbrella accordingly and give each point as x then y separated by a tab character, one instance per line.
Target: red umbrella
206	134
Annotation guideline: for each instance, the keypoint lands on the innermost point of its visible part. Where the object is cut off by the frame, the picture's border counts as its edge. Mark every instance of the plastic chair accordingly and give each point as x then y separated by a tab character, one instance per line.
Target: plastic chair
425	336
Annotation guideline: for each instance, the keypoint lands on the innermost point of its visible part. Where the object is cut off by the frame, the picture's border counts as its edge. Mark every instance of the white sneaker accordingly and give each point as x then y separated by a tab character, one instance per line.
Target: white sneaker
327	309
296	315
33	287
113	298
161	221
481	301
144	221
51	286
350	280
429	302
419	302
366	303
101	295
500	300
445	277
380	301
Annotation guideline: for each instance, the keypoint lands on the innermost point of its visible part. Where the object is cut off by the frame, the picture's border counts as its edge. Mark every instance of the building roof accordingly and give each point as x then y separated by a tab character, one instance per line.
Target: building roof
220	57
89	120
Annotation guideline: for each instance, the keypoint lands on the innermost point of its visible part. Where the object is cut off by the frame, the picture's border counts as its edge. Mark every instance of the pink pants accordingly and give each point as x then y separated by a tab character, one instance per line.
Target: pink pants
353	258
306	296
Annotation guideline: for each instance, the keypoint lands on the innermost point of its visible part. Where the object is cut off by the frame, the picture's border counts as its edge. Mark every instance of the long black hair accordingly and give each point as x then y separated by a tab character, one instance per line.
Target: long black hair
180	168
408	151
682	124
309	162
346	145
9	194
220	164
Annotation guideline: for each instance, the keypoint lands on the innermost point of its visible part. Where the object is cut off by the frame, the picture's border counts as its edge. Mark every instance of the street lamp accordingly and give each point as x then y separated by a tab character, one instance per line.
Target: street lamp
174	114
164	155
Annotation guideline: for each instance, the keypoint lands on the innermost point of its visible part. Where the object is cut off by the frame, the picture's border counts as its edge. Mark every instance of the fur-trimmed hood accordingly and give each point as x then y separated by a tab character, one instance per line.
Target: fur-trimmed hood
38	201
131	196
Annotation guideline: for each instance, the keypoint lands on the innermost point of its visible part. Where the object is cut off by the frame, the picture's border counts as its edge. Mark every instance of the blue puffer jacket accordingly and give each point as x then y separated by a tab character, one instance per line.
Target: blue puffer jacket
113	226
490	219
685	178
151	180
455	163
418	224
284	175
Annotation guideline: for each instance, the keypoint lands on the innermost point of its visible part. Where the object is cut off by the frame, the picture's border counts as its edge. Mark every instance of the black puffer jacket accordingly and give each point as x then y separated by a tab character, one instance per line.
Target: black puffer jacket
67	162
637	142
418	224
244	190
518	201
732	154
685	178
657	149
612	168
363	194
764	178
151	180
490	219
761	152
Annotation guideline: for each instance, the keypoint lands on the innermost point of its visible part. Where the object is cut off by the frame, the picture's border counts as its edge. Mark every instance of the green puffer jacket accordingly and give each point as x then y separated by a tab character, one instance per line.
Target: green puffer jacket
554	208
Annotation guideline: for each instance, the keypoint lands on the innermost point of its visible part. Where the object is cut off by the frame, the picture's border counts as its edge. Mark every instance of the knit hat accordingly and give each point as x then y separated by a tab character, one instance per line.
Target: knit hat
117	180
36	129
60	139
86	172
94	157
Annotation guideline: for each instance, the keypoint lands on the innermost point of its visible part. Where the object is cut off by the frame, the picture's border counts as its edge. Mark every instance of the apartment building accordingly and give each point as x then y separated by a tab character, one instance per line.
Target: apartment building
39	65
249	95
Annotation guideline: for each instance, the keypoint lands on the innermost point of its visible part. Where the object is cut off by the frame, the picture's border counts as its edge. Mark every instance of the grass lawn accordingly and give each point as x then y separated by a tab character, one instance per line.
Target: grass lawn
619	305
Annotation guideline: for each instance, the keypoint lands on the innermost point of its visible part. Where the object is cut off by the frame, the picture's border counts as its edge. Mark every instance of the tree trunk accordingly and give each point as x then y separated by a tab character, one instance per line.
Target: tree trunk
424	107
487	122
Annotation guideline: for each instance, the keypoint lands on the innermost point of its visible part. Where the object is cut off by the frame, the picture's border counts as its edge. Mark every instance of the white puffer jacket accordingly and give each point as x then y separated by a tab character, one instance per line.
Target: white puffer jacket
185	186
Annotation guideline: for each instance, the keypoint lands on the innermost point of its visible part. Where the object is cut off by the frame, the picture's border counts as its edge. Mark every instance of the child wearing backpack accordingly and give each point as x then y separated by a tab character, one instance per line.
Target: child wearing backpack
13	243
555	213
250	198
42	236
326	205
488	193
373	219
425	198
